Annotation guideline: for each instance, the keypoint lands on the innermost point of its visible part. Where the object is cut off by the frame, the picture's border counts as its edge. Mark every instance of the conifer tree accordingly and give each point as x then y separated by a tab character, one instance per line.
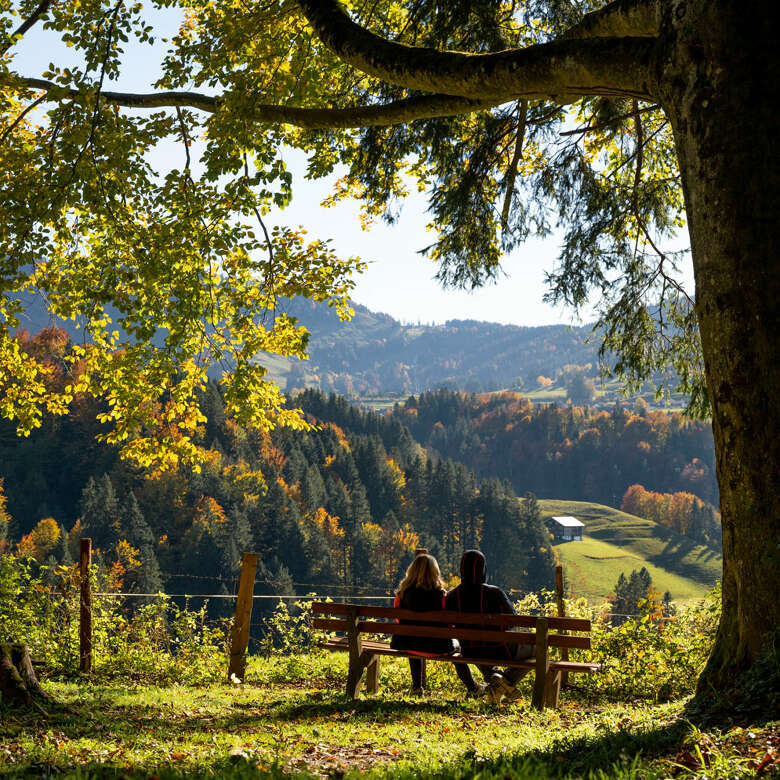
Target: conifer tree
149	578
133	525
312	489
628	592
360	511
100	513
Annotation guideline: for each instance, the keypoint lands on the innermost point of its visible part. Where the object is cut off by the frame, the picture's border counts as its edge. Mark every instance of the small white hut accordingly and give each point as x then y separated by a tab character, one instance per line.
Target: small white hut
566	528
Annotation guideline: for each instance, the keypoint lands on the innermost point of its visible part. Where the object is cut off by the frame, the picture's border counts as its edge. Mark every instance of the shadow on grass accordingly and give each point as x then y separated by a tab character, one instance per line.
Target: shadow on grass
103	715
612	754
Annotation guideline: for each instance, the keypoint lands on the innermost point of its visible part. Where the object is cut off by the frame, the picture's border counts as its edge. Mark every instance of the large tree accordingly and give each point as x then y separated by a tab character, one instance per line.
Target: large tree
617	122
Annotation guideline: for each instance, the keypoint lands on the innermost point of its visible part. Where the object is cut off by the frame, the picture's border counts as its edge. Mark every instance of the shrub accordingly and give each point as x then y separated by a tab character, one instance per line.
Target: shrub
155	642
656	656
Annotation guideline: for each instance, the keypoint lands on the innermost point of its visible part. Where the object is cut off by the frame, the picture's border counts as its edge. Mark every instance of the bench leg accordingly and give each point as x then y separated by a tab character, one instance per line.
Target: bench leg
372	674
357	660
423	673
542	665
354	677
552	688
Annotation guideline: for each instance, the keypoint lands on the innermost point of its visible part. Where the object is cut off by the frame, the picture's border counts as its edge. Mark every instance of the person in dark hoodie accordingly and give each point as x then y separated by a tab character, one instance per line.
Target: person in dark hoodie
475	595
422	590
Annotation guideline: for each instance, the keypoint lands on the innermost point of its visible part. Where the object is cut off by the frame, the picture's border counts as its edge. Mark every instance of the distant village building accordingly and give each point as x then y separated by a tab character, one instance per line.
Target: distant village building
566	528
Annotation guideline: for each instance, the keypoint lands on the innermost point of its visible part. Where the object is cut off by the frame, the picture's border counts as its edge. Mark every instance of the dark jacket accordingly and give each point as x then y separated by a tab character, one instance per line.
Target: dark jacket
421	600
474	595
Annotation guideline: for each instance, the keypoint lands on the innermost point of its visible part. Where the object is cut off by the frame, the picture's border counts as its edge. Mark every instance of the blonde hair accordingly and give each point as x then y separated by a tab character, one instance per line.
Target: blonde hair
423	572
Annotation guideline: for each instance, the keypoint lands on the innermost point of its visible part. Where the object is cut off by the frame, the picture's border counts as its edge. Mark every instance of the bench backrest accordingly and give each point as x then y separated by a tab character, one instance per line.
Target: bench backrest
448	624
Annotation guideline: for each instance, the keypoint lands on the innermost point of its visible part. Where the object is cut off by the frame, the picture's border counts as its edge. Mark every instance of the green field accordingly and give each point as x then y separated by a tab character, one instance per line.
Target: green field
290	719
616	542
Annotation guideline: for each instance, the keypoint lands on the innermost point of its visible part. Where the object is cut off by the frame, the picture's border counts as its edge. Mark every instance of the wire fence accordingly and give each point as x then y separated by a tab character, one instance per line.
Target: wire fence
285	597
112	619
277	597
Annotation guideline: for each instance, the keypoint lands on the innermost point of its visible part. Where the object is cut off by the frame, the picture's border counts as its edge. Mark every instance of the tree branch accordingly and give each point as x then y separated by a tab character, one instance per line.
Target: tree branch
511	174
562	69
43	6
608	123
380	115
619	19
8	130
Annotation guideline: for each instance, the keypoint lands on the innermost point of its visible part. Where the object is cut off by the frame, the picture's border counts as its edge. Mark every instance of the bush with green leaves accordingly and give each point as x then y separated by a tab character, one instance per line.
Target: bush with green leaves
288	629
154	641
656	656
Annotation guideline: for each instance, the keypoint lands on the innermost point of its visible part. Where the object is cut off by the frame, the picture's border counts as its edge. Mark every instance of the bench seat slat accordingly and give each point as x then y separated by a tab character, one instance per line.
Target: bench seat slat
382	648
446	632
449	617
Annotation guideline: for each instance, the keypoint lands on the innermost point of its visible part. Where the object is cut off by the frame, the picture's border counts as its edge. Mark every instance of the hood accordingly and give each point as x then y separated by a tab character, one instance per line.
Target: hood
473	570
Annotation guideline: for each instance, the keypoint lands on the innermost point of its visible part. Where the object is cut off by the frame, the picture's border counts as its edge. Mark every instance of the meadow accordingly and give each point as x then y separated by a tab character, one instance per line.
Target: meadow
592	568
290	719
616	542
157	703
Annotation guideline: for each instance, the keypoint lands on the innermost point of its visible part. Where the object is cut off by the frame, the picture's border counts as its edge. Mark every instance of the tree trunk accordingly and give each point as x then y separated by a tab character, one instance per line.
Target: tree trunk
18	682
719	77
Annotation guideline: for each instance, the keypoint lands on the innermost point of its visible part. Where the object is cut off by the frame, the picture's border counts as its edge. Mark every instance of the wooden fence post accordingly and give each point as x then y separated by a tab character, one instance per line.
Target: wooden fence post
561	613
243	617
85	610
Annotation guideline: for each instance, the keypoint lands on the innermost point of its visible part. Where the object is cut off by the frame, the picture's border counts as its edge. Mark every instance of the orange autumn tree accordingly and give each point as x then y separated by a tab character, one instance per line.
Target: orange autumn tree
42	541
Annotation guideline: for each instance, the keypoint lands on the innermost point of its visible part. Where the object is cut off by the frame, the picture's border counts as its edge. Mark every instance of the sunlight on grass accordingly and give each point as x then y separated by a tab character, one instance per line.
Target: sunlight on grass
676	564
290	717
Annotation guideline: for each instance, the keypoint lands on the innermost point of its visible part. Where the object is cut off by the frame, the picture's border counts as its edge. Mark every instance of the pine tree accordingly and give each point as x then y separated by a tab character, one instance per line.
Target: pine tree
213	408
359	509
313	489
148	577
100	513
628	592
229	556
133	525
390	523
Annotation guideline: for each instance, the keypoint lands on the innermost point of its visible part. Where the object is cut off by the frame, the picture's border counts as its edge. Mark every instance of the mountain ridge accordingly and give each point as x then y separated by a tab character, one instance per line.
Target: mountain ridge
375	353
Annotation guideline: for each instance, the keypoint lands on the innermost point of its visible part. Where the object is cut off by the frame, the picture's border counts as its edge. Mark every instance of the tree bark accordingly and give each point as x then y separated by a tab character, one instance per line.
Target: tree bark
719	80
18	682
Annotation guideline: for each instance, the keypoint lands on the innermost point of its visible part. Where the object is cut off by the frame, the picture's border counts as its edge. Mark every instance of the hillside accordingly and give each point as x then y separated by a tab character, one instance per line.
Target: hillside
375	354
378	360
578	452
616	542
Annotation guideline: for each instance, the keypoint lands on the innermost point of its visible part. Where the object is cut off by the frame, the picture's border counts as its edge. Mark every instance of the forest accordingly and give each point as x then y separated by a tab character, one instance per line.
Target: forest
374	353
578	452
343	504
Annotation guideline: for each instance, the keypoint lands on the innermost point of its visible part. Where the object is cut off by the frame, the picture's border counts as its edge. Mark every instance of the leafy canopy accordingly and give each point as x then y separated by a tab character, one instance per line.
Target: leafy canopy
171	269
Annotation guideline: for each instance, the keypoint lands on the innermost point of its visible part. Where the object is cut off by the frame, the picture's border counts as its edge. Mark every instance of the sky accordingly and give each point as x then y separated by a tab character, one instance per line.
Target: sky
398	280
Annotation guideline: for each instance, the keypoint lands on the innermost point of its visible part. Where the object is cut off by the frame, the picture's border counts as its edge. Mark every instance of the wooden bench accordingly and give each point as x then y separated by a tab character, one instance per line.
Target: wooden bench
357	621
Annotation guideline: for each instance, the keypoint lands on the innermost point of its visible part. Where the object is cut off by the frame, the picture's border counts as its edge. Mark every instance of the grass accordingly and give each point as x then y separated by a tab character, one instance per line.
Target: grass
616	541
592	568
290	718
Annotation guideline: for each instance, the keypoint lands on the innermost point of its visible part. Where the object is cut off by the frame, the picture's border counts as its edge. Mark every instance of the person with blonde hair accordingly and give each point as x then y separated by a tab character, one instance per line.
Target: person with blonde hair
421	590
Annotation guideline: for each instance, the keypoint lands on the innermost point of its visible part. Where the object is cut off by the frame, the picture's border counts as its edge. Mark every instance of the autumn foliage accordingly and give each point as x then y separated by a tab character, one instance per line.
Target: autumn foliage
682	512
